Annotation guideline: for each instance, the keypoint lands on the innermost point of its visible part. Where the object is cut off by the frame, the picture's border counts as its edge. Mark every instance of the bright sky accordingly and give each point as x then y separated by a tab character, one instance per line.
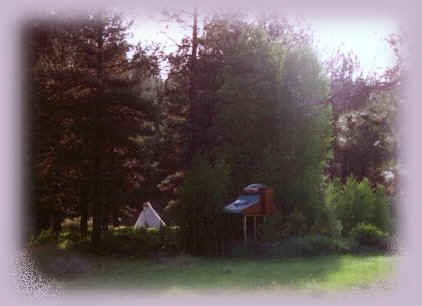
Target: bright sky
366	38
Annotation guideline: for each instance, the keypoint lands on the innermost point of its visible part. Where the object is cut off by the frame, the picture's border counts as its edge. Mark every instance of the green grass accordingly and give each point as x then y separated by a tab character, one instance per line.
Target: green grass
185	273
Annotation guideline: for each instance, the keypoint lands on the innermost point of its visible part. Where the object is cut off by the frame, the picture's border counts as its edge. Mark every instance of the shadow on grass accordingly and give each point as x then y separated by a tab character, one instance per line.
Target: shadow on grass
79	271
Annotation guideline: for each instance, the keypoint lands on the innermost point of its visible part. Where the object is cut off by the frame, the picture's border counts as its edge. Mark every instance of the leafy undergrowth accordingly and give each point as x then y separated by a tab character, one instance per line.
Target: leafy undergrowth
78	271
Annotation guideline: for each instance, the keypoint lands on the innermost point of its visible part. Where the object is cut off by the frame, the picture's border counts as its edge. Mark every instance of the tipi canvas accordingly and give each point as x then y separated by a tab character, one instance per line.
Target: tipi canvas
149	218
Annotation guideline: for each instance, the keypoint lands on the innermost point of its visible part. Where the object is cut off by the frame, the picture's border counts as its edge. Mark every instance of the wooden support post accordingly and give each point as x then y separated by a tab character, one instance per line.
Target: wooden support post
245	231
254	227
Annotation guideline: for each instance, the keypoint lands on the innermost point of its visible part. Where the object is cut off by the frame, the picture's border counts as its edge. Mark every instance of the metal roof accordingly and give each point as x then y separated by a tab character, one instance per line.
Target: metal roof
253	186
241	203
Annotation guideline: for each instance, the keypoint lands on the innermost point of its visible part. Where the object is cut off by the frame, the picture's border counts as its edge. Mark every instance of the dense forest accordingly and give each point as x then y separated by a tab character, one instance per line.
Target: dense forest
245	100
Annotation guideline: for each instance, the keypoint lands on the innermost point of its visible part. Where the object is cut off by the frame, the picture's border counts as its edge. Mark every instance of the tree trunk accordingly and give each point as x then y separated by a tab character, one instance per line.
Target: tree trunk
42	222
57	222
193	116
98	203
105	217
115	216
83	225
96	223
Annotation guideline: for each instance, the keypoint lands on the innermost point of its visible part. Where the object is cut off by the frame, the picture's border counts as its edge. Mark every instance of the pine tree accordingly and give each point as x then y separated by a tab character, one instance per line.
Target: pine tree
90	112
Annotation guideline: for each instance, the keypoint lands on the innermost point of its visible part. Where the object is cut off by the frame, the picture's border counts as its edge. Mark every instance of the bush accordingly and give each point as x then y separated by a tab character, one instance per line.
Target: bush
271	230
251	250
120	241
356	204
382	216
352	203
127	241
327	222
278	226
45	237
294	224
312	245
368	235
172	240
204	194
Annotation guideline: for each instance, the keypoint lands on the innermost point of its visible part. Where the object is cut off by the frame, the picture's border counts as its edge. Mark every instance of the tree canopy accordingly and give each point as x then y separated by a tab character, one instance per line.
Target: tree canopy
245	100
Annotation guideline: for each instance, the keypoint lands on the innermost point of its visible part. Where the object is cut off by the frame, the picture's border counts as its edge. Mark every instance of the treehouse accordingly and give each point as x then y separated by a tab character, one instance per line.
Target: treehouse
256	202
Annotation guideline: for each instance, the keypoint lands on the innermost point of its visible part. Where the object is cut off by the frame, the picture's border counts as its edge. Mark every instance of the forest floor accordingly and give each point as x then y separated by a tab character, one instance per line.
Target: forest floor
74	272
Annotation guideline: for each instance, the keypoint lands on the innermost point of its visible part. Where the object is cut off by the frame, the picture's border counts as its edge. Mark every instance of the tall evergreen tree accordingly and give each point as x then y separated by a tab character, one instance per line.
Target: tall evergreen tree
89	93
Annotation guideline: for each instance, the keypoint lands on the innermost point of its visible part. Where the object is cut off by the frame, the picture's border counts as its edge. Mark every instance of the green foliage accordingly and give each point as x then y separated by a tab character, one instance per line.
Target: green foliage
130	242
295	224
312	245
327	223
84	109
205	187
252	95
271	229
64	240
45	237
121	241
203	196
279	227
297	178
366	144
171	239
250	250
247	100
368	235
357	202
266	126
343	208
324	220
295	246
195	274
382	216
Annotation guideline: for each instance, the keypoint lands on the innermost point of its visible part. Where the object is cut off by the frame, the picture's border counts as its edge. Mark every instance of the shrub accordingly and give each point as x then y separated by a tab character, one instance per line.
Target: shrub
382	210
312	245
294	224
354	203
297	246
278	226
171	239
120	241
327	225
324	245
271	230
203	196
294	247
127	241
45	237
239	250
327	222
368	235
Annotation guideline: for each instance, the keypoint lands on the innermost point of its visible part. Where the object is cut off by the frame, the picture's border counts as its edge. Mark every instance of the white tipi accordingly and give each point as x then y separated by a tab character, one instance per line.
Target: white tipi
148	218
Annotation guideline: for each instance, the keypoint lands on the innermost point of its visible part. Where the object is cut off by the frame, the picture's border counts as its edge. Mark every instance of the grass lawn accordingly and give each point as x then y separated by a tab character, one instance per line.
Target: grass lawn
185	273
